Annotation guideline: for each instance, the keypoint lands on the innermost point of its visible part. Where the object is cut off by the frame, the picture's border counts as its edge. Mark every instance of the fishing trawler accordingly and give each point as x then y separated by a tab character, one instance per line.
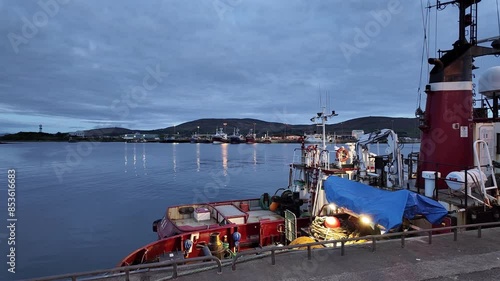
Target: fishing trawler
219	137
250	137
266	138
450	181
316	138
236	137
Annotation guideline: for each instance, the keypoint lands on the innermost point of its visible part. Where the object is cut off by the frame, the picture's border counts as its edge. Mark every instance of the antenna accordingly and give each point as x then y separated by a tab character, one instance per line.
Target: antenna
323	117
320	101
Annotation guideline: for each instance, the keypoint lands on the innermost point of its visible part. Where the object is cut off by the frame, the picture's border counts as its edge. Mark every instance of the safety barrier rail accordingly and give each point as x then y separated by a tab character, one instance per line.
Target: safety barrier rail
373	238
127	270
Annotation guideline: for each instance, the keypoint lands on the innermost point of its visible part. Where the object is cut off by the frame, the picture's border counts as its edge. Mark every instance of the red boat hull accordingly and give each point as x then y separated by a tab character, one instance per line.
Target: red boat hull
172	237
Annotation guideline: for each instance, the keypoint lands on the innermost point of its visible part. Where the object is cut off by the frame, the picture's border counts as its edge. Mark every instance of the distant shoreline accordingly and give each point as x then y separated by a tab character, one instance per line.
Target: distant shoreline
182	141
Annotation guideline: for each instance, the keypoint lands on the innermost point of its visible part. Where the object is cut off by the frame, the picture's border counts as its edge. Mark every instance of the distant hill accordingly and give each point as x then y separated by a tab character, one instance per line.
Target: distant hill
114	131
208	126
403	126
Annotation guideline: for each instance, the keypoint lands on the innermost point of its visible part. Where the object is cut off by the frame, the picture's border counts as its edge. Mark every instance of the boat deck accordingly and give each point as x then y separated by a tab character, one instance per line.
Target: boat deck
194	223
454	198
261	215
232	213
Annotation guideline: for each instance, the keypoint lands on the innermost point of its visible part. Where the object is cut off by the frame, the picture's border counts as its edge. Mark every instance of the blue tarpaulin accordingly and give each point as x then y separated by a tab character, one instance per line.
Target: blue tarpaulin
386	208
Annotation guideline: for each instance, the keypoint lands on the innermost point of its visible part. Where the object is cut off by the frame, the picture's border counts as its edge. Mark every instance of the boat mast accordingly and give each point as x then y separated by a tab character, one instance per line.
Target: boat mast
323	117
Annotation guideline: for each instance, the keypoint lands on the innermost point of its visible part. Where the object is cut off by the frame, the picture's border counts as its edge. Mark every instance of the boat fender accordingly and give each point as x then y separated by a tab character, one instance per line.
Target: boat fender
188	244
274	206
236	238
155	225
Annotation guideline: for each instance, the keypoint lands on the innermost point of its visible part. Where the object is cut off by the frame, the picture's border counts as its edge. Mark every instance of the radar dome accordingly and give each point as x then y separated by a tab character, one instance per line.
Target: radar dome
489	83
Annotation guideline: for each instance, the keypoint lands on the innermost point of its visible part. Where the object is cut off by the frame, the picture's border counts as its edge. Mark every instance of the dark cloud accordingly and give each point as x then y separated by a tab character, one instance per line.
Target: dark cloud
224	58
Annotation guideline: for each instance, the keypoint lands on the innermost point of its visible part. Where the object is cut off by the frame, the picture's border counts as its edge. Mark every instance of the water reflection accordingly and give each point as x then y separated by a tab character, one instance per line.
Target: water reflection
144	158
254	157
224	157
126	157
174	157
134	157
198	157
135	160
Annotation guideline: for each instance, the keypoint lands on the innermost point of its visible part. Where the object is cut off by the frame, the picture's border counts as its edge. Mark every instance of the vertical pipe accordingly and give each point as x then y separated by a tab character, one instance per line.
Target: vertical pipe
466	193
461	31
174	270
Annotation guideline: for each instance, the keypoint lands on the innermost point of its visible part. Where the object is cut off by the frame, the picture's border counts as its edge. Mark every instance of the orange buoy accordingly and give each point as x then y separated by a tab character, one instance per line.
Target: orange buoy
332	222
274	206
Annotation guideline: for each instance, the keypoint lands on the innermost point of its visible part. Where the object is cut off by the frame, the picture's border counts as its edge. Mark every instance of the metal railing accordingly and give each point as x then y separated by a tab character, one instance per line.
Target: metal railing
127	270
373	239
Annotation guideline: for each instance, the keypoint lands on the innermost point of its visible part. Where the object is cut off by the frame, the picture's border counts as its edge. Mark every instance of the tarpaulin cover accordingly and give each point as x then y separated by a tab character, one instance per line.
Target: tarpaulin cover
384	207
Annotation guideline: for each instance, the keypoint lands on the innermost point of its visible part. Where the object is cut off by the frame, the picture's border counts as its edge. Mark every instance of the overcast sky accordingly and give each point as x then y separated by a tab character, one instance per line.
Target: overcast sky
75	64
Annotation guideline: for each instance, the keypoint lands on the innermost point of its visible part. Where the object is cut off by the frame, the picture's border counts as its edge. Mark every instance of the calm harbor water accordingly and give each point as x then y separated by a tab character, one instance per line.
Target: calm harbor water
85	206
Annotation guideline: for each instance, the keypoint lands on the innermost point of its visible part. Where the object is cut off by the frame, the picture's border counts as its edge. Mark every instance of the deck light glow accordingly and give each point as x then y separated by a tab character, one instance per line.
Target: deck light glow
365	220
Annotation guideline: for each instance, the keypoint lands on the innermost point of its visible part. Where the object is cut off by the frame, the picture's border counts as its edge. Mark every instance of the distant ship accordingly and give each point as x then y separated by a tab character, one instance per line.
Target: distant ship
195	138
316	138
219	137
266	138
236	138
250	137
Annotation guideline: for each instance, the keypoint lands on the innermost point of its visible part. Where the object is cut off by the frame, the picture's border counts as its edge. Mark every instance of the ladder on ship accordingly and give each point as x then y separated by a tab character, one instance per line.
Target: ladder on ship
481	149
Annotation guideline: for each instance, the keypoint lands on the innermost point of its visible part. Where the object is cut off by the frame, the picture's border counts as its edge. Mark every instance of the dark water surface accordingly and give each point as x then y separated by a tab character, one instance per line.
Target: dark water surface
85	206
